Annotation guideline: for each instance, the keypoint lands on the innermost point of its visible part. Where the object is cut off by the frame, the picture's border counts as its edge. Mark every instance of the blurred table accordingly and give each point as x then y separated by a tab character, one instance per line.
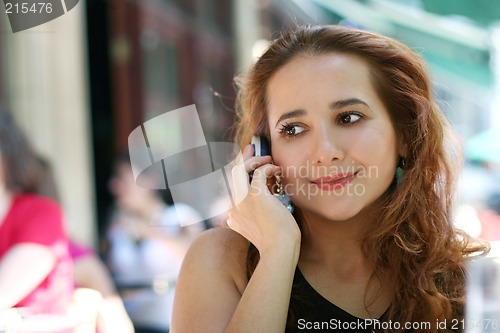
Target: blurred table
80	318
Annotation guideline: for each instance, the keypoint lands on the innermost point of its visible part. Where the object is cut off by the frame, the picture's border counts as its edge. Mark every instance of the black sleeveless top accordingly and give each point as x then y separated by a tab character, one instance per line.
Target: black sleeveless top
311	312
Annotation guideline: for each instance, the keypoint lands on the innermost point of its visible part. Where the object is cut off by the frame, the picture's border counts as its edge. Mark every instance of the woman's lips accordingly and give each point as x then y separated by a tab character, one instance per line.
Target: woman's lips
335	182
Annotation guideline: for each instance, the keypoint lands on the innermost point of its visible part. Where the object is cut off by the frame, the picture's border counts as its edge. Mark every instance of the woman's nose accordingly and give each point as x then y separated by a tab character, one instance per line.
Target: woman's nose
327	147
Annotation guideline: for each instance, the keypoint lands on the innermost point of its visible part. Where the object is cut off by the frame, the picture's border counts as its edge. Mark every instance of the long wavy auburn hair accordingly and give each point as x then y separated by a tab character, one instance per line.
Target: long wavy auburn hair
413	246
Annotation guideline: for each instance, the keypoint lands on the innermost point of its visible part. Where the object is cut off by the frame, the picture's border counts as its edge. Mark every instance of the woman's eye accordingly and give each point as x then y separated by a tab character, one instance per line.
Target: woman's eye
349	118
291	130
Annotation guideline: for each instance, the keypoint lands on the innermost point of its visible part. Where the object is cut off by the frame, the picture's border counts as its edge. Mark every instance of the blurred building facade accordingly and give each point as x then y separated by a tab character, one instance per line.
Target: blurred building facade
81	83
156	56
44	84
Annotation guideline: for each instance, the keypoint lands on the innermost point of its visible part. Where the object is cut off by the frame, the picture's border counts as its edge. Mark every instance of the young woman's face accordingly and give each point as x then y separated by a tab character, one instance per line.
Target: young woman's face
331	134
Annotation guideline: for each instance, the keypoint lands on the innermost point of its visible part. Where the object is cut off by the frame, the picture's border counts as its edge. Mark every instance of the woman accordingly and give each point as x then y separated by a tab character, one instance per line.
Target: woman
358	145
35	267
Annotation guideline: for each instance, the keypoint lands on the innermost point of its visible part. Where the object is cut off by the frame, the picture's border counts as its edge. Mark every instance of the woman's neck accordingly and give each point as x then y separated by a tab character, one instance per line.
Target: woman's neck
329	243
332	259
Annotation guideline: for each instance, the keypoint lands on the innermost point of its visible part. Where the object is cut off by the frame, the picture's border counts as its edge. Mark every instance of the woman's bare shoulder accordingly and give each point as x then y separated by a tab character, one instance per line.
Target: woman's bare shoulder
221	251
211	282
216	239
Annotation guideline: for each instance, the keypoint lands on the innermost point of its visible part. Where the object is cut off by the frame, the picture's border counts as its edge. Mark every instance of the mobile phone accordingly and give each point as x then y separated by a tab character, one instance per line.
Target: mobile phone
260	148
260	145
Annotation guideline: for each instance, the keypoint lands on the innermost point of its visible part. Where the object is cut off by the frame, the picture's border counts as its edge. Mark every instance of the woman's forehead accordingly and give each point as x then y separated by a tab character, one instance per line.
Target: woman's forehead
332	76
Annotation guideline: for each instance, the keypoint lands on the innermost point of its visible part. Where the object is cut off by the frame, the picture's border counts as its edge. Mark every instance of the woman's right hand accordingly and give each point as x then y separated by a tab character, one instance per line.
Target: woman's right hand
213	285
258	215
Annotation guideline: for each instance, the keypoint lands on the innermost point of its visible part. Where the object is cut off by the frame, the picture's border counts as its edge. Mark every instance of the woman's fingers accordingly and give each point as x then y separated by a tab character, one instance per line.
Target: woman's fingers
240	183
259	182
253	162
262	174
240	177
248	152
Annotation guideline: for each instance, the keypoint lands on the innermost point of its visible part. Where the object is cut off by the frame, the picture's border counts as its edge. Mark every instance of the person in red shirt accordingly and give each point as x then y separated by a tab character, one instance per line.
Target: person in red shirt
90	272
35	266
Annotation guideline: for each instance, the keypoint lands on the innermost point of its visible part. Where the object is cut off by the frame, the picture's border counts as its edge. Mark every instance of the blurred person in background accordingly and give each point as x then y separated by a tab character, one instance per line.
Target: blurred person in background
90	272
88	269
478	208
35	265
490	218
147	244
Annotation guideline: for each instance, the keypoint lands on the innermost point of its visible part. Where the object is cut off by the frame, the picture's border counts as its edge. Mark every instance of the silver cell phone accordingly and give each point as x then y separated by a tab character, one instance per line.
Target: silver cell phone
260	148
260	145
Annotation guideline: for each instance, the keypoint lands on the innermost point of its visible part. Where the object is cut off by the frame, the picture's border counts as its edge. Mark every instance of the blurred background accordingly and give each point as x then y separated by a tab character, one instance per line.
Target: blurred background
81	83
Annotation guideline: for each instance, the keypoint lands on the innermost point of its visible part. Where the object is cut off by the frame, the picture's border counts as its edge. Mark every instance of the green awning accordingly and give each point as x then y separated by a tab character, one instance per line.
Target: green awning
457	48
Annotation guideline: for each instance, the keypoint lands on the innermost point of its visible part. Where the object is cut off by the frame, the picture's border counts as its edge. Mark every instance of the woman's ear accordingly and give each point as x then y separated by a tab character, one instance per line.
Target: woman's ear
403	150
402	146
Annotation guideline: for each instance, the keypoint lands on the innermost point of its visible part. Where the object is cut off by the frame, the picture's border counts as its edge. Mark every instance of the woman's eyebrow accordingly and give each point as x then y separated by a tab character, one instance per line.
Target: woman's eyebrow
334	105
347	102
291	114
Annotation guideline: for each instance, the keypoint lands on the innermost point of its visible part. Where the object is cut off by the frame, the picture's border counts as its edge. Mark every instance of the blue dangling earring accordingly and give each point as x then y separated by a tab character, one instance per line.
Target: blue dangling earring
400	171
282	196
